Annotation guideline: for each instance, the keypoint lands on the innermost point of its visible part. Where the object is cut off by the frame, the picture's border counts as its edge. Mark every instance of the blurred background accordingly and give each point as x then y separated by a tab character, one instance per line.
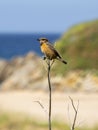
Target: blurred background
73	27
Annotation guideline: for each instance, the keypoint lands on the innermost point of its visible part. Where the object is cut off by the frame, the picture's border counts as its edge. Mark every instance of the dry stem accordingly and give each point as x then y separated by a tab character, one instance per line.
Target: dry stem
76	112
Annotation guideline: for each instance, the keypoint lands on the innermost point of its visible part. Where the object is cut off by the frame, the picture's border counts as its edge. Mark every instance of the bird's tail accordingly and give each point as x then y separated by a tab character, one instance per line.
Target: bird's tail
63	61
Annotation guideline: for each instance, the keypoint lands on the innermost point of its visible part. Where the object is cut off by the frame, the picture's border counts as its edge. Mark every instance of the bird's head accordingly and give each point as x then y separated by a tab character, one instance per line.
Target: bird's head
42	40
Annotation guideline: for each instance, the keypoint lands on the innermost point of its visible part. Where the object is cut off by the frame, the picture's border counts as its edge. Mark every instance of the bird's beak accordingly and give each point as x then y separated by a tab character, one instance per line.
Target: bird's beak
38	39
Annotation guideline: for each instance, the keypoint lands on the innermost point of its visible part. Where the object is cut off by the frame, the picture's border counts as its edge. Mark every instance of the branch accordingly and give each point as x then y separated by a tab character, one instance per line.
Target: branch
76	112
41	106
49	83
49	63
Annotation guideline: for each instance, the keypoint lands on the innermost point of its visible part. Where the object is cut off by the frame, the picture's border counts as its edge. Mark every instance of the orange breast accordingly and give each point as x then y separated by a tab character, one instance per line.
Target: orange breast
48	51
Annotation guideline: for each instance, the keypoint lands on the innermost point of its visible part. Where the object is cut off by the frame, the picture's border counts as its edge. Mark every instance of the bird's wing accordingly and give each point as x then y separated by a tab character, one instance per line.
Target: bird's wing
50	45
52	48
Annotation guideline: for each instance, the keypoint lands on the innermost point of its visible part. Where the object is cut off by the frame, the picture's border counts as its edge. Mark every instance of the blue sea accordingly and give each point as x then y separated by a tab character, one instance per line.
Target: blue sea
13	45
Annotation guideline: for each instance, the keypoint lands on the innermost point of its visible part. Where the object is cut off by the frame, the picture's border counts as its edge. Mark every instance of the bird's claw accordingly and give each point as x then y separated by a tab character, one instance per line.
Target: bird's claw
44	57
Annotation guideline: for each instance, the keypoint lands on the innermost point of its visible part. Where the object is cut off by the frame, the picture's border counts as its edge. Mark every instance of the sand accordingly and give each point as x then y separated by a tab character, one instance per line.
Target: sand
28	103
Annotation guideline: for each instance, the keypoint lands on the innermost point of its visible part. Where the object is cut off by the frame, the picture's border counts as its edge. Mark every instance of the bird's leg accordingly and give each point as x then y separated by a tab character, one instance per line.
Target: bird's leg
48	61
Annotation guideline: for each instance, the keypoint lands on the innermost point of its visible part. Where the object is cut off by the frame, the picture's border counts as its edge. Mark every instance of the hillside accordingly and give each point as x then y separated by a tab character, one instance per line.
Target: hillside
79	46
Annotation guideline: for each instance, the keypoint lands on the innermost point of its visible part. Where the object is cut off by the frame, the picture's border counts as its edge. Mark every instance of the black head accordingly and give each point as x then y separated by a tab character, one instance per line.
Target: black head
41	40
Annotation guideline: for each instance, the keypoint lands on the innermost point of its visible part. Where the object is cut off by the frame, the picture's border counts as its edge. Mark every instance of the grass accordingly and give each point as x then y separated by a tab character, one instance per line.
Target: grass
20	122
79	46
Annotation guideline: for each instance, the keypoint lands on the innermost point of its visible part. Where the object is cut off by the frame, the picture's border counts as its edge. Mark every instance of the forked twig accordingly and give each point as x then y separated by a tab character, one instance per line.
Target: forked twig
49	65
76	112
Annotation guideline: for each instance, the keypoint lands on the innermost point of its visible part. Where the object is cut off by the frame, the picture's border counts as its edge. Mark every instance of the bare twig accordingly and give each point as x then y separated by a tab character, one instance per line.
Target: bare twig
49	83
76	112
41	106
49	65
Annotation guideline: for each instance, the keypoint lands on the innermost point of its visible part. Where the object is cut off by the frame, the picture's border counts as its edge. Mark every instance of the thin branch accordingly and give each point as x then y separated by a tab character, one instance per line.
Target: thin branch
49	63
41	106
76	112
49	68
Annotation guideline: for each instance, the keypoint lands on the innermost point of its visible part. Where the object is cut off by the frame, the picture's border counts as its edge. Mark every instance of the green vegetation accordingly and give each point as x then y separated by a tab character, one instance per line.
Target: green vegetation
79	47
21	122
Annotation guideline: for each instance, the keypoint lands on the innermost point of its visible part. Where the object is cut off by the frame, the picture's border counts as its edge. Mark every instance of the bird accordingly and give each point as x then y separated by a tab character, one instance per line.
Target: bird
49	50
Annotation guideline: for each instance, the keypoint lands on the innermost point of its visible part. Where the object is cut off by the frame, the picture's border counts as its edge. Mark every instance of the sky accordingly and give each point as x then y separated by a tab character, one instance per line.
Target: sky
28	16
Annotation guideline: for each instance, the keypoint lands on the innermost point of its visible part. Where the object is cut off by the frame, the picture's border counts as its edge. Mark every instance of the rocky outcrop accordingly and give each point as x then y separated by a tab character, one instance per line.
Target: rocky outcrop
20	72
28	72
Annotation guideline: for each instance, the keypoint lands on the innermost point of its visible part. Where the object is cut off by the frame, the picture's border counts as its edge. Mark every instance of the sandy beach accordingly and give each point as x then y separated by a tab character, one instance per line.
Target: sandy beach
28	103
